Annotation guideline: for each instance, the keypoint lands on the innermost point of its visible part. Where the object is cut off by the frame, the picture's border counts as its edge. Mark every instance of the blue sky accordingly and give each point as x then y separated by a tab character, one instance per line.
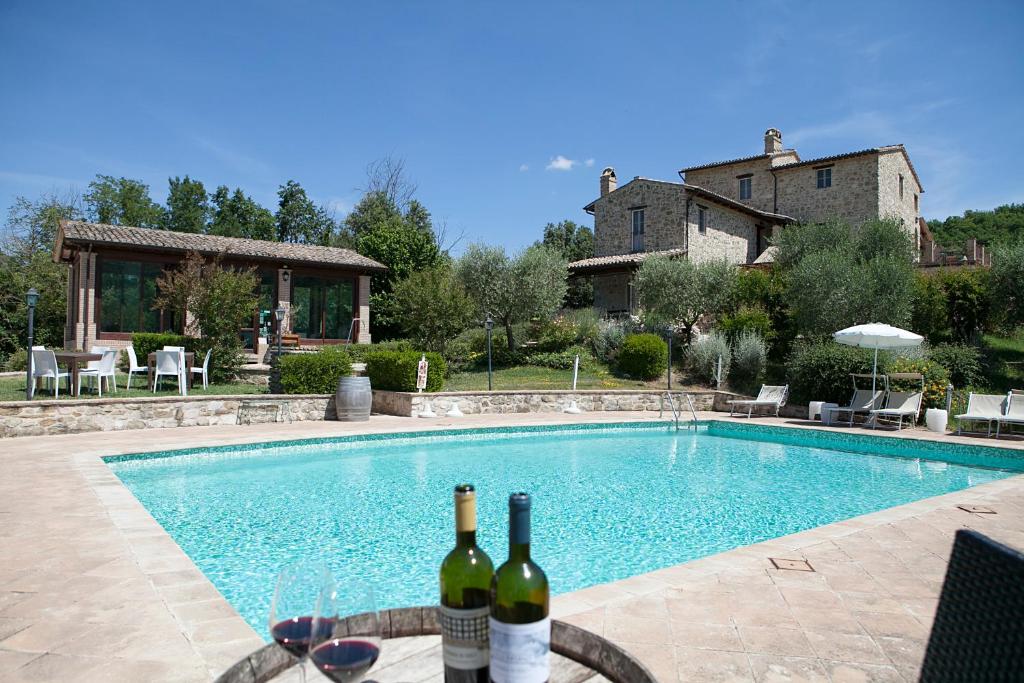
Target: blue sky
504	113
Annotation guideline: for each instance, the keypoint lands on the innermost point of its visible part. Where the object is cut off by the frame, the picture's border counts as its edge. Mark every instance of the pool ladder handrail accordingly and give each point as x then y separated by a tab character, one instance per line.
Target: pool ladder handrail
676	414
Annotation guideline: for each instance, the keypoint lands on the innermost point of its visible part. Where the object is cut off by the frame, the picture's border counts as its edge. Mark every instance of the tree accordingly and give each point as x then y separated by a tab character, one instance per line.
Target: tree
574	242
1006	288
187	207
299	219
432	307
122	201
219	300
679	292
513	290
387	177
1002	224
26	262
238	215
838	276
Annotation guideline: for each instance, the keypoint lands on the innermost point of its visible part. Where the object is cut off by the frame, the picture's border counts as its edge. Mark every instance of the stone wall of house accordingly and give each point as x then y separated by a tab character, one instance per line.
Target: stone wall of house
853	196
611	292
489	403
19	418
730	235
725	181
664	206
891	166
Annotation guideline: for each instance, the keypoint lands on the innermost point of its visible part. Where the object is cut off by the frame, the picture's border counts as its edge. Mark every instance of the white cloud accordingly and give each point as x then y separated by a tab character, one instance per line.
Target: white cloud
588	163
524	167
561	163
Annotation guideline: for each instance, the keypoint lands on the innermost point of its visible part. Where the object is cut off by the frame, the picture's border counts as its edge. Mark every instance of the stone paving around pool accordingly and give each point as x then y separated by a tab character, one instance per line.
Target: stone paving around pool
93	589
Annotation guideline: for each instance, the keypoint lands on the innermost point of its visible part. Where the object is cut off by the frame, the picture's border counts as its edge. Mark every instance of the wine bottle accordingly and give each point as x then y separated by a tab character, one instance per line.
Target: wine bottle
465	591
519	623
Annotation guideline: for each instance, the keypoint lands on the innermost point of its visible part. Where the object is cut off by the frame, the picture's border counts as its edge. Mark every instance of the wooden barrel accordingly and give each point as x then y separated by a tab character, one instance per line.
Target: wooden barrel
353	399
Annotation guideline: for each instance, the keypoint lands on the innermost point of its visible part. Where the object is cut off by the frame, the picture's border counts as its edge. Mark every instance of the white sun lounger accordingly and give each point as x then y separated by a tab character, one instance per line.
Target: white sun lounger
987	408
769	396
863	402
900	404
1014	412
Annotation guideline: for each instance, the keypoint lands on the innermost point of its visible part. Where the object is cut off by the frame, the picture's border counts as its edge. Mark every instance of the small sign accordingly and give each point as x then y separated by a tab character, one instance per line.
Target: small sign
421	374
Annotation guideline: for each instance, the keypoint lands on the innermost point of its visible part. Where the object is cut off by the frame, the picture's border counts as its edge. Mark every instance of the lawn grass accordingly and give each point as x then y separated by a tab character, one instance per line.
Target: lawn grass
1006	366
529	377
13	389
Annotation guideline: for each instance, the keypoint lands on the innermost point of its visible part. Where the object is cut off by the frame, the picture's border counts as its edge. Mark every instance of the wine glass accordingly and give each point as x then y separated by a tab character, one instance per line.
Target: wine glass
299	586
346	636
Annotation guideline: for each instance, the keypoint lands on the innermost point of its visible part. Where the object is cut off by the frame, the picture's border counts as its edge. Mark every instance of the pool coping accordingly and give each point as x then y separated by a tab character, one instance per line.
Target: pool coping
218	642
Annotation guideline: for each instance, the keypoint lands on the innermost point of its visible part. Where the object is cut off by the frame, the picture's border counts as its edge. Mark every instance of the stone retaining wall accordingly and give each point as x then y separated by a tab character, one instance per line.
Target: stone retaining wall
474	403
20	418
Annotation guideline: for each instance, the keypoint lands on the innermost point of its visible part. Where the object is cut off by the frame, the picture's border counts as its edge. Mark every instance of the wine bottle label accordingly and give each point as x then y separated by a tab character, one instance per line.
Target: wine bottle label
464	640
520	652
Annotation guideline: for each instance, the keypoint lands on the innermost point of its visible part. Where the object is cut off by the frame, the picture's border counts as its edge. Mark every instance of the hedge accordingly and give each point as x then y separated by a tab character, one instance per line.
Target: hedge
396	370
314	373
643	356
820	371
359	351
146	343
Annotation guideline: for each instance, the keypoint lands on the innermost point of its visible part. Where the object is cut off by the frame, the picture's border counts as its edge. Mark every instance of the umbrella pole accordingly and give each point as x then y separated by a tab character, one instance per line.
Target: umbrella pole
874	372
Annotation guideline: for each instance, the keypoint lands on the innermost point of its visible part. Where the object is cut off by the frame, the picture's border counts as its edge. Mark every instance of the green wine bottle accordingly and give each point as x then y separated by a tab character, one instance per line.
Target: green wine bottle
519	624
465	591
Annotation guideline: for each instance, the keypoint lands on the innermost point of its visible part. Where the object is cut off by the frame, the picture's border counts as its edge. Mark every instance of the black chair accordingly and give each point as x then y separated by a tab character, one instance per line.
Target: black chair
978	634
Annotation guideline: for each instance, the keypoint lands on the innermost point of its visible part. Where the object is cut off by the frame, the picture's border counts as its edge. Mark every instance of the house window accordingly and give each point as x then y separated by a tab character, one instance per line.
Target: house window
127	292
322	308
901	186
702	219
638	229
745	188
824	178
915	204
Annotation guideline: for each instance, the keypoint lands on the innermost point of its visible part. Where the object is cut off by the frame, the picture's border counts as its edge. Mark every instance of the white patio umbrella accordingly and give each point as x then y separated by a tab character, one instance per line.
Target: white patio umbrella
877	336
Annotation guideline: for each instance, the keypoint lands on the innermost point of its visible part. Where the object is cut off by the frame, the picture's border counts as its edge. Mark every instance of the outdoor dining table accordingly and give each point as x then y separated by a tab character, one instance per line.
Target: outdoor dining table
72	359
151	368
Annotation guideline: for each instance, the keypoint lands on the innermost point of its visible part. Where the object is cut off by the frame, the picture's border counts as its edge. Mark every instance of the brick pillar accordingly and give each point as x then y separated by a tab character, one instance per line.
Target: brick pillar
364	310
89	300
971	250
284	297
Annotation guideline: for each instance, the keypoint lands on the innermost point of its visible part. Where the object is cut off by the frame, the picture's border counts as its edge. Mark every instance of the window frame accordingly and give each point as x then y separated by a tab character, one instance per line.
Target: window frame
748	183
166	320
702	219
901	185
823	177
637	241
325	282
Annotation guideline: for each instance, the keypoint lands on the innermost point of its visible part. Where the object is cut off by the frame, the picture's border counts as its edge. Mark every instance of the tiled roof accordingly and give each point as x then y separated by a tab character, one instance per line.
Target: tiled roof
724	163
858	153
80	232
609	262
738	206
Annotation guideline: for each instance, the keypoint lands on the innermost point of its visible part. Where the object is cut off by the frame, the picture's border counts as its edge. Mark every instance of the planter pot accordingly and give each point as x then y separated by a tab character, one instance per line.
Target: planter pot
353	399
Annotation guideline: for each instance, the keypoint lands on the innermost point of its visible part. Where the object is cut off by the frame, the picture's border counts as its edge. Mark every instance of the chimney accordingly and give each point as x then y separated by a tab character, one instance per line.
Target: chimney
772	141
608	181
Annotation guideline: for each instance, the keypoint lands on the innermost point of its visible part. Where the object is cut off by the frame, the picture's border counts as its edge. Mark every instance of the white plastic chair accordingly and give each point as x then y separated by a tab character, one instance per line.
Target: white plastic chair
174	348
104	368
204	370
133	365
93	364
44	364
169	364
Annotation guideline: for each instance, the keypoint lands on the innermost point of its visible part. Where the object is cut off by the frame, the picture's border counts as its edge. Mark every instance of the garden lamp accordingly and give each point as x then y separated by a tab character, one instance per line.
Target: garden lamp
31	298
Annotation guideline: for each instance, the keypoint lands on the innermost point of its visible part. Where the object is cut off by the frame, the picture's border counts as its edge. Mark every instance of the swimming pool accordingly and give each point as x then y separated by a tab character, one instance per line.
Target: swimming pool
609	501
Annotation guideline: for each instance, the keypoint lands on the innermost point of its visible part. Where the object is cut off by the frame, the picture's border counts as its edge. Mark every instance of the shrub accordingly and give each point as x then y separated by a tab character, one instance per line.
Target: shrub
17	361
396	370
966	302
561	360
146	343
314	373
935	380
962	362
643	356
929	317
432	307
747	319
555	335
820	371
749	355
586	322
608	340
702	359
358	351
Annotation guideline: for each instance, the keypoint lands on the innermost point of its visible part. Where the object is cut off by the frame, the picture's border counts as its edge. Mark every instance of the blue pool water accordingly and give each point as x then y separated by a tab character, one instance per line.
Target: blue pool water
608	503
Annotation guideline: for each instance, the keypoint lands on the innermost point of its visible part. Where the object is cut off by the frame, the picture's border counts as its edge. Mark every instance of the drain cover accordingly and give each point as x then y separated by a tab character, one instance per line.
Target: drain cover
793	565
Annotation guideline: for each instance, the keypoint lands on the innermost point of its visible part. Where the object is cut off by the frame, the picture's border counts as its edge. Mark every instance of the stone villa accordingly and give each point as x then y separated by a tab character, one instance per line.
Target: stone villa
730	209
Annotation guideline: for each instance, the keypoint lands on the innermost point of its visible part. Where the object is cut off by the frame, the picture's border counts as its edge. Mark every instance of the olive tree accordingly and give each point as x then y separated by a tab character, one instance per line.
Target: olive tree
432	307
513	289
1006	284
679	292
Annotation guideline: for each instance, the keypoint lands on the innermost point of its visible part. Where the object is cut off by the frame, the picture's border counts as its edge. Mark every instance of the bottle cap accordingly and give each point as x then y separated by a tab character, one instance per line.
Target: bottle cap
465	507
519	501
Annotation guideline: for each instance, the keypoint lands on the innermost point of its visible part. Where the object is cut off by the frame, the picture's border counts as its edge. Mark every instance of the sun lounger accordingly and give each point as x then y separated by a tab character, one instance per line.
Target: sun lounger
769	396
862	403
987	408
1014	412
899	405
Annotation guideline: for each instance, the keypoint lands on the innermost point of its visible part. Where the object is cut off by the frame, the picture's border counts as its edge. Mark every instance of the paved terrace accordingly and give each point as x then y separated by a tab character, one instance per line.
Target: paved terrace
91	587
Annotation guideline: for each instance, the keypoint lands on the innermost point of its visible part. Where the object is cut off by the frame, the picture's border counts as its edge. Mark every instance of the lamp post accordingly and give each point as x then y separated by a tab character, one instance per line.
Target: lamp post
489	325
31	298
279	315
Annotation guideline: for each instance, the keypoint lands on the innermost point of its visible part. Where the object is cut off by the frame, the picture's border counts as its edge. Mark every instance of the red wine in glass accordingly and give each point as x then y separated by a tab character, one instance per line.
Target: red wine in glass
295	634
344	661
